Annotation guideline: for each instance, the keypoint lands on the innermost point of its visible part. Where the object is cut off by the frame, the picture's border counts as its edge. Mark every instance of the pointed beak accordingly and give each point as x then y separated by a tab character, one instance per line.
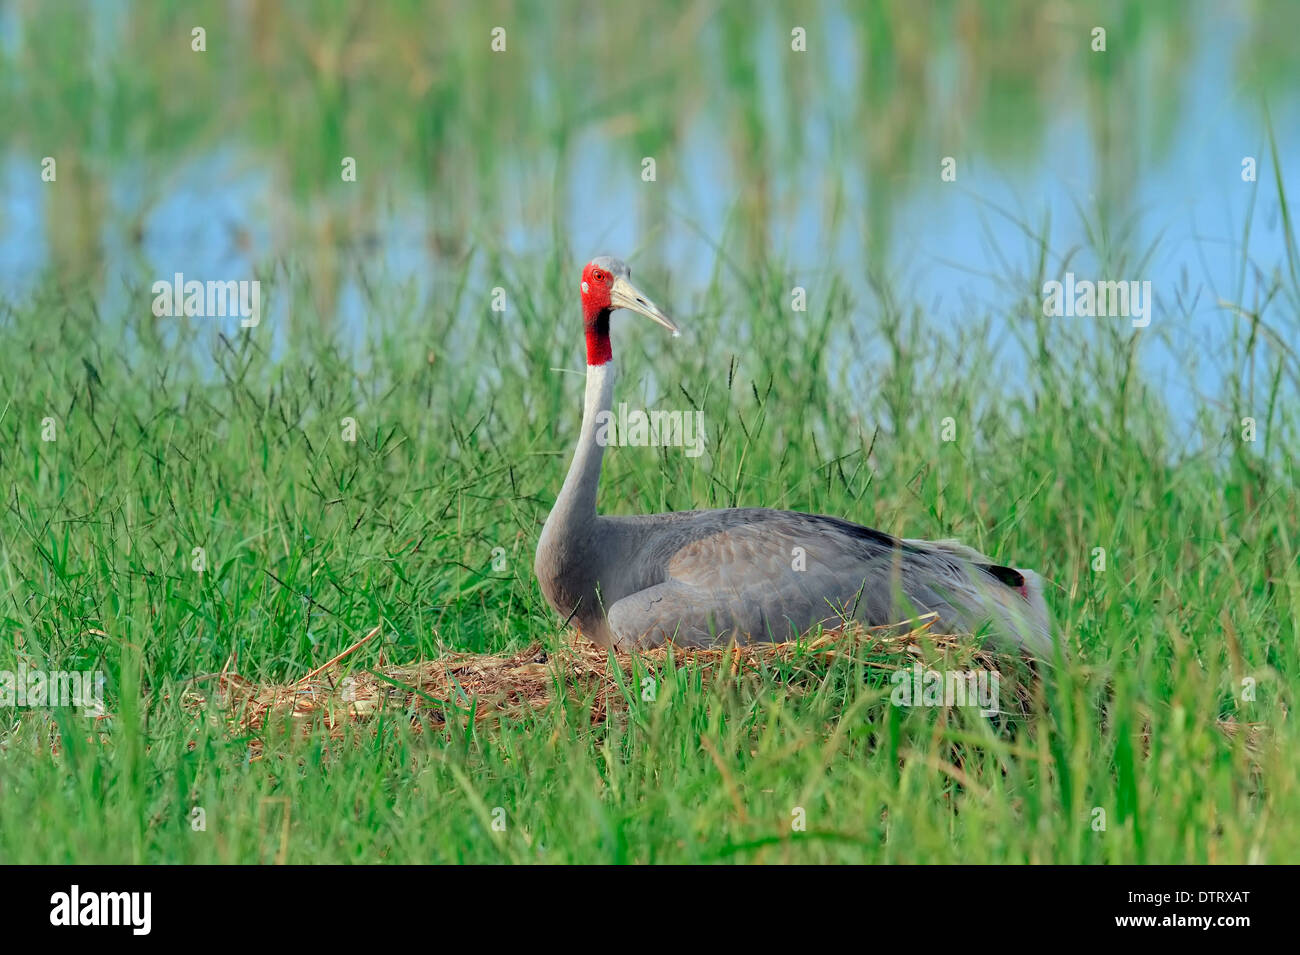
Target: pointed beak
626	295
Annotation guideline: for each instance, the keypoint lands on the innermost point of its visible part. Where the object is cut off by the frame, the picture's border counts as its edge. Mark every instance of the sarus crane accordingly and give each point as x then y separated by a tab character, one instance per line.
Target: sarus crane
748	574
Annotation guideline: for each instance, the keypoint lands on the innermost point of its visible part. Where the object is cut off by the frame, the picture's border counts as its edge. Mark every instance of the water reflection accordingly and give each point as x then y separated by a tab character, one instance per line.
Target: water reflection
226	163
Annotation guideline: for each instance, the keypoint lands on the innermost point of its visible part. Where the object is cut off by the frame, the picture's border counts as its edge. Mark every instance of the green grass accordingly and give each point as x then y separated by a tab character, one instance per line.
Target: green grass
167	442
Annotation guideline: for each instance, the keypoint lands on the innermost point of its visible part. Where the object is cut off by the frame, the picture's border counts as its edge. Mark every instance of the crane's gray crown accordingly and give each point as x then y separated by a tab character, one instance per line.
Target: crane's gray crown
612	265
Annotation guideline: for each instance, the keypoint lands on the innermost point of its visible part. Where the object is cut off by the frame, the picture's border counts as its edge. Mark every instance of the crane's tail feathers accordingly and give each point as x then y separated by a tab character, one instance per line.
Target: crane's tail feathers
1038	617
1036	597
1022	608
1023	618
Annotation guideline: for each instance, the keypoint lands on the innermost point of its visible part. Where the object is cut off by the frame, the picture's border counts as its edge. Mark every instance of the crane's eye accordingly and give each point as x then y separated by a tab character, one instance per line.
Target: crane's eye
598	275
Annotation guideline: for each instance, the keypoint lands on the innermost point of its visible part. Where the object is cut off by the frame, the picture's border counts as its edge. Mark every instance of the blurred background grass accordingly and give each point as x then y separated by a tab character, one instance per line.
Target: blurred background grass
825	163
774	169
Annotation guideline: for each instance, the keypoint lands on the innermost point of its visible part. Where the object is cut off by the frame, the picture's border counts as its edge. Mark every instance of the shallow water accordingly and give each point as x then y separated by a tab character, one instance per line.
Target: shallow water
826	161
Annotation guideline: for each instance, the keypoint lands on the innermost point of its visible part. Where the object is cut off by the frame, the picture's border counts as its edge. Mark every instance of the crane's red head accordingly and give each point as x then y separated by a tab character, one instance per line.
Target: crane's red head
607	285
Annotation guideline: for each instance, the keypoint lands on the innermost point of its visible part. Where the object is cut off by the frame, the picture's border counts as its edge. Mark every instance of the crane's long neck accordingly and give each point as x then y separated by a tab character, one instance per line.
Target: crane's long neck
577	500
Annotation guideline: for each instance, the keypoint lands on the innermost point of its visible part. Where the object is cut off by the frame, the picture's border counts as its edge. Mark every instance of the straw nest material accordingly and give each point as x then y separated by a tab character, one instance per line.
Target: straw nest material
462	686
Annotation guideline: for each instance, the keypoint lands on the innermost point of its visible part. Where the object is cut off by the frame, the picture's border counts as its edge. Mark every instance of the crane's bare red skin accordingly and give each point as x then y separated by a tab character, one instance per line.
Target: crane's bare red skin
595	313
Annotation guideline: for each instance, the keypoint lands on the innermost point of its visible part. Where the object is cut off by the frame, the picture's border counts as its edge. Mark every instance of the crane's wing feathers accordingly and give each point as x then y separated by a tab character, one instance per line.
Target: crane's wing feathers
758	574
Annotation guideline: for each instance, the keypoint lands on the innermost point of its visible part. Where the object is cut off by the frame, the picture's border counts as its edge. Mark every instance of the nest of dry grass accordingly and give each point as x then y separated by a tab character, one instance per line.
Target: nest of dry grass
461	686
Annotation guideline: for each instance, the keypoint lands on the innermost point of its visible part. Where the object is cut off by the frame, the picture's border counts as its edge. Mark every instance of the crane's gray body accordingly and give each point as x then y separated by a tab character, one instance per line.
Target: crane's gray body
704	578
741	574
